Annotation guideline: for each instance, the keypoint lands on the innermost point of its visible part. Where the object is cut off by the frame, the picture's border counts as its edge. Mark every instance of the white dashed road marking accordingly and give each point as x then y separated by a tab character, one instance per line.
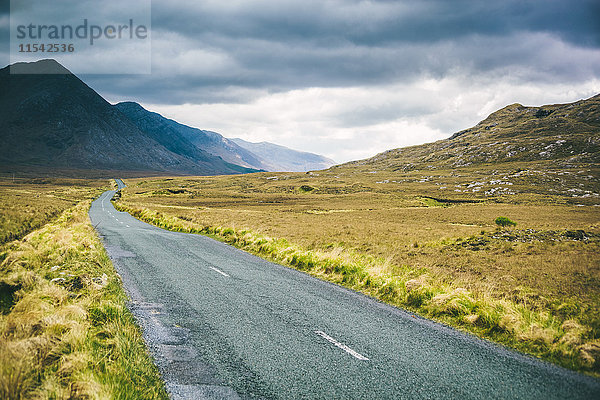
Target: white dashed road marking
219	271
341	346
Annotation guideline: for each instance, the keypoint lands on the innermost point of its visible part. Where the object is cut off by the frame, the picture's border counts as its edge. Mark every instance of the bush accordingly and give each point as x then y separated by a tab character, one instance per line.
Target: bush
504	222
306	188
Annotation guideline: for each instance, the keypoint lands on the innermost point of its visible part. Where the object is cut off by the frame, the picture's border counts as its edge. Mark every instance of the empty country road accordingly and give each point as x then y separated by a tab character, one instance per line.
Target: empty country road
222	323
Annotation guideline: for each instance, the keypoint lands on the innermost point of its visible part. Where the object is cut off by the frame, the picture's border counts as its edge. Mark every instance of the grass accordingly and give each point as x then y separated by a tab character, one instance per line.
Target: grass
28	203
535	288
65	330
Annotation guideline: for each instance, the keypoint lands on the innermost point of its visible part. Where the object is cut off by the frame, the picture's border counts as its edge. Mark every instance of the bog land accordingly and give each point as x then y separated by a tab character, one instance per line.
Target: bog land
406	240
425	240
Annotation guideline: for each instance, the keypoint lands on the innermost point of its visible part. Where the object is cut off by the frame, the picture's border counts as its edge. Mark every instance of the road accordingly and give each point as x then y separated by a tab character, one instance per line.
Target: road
225	324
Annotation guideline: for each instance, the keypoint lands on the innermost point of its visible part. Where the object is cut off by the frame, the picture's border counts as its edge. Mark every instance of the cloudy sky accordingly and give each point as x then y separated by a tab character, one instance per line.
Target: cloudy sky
349	79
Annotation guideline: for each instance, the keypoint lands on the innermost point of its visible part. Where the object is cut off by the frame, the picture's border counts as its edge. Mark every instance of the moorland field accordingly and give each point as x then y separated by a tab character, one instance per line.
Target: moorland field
423	240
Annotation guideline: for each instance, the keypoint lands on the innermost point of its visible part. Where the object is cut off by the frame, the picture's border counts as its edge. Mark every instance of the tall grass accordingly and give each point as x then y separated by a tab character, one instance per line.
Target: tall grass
564	341
65	330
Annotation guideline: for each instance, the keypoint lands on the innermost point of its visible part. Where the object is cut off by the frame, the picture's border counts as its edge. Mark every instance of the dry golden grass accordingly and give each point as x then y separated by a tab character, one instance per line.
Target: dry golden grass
65	331
395	226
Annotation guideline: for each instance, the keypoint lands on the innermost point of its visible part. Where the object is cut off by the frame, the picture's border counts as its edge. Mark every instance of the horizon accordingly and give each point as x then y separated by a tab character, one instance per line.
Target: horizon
380	152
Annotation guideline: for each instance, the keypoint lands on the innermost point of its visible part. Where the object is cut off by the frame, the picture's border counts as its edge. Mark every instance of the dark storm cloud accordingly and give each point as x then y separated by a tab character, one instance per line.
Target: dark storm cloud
278	46
380	22
253	47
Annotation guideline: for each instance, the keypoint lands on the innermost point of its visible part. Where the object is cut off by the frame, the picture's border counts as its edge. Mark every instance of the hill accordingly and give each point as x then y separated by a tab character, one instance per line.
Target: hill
517	154
565	134
49	118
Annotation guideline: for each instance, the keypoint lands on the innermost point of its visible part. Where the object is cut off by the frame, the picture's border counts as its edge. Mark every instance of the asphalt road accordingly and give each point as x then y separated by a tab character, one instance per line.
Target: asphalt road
225	324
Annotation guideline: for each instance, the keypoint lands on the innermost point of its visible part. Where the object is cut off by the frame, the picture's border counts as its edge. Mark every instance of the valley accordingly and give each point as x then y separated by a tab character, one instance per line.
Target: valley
418	228
406	232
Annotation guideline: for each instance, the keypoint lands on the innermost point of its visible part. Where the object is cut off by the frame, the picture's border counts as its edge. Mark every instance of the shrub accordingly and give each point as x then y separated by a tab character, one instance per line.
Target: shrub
306	188
505	222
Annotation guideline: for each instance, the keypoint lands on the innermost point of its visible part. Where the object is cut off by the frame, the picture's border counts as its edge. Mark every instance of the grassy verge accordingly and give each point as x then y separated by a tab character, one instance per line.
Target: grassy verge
563	340
65	331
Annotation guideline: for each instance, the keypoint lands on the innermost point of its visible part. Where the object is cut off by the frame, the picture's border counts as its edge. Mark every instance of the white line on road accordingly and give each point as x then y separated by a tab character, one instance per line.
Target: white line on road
127	226
341	346
219	271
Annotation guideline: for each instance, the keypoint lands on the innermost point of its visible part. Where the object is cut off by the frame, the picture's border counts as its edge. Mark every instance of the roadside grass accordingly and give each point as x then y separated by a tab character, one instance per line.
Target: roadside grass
535	288
28	203
65	330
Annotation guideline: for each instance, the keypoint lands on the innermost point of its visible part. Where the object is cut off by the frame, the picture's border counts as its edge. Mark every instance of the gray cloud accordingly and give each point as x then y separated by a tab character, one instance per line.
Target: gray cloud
379	22
279	46
255	67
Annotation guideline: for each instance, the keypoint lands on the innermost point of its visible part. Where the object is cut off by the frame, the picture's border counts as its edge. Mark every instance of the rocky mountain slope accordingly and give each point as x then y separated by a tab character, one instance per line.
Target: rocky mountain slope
266	156
50	118
548	154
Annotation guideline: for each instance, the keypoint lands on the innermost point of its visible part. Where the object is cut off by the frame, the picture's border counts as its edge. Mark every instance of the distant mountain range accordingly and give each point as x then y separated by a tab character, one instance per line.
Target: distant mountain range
50	118
279	158
561	134
264	156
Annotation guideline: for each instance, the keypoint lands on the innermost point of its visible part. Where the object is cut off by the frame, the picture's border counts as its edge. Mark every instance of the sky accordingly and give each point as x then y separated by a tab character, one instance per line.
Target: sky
349	79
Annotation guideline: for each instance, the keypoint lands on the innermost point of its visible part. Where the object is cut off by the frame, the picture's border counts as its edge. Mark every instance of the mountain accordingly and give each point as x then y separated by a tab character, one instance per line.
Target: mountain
177	136
279	158
265	156
50	118
560	134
